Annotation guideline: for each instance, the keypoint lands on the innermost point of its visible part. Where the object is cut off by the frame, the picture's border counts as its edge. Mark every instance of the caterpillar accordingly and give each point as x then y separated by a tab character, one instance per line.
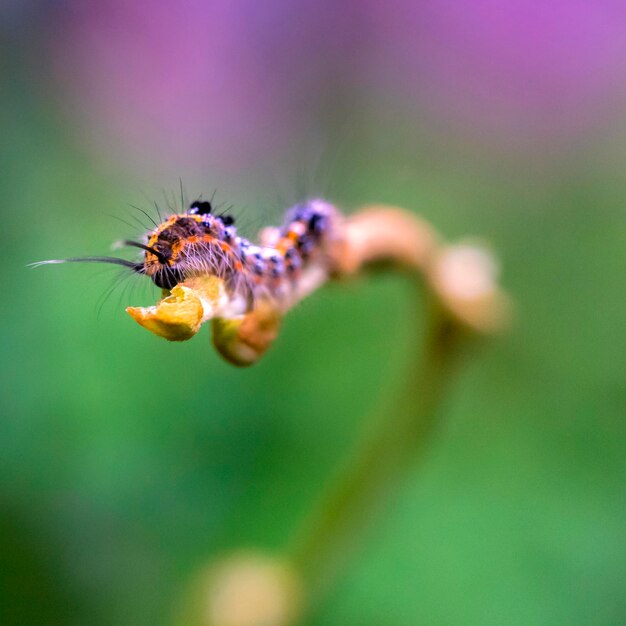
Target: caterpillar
200	242
190	247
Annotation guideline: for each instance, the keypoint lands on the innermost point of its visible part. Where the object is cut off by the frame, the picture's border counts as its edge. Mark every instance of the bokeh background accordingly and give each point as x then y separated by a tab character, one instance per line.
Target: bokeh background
127	464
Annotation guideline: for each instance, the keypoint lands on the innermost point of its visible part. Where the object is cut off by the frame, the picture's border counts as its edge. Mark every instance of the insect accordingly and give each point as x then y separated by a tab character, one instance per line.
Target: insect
200	242
184	249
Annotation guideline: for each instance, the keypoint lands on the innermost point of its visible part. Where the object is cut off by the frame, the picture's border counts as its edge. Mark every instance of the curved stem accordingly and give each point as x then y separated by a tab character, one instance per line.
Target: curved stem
380	459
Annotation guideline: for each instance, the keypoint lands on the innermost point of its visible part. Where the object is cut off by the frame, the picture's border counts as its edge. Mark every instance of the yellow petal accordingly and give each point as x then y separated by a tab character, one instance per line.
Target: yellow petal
176	318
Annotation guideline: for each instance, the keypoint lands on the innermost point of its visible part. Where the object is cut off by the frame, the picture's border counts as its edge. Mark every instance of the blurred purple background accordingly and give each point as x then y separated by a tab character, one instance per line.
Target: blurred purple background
230	82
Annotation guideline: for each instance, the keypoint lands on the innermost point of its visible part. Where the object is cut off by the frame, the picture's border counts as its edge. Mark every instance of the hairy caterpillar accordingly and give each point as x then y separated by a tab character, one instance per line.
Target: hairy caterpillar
233	276
199	242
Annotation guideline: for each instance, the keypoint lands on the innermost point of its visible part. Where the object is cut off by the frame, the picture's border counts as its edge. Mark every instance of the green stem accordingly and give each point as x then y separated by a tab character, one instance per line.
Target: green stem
380	459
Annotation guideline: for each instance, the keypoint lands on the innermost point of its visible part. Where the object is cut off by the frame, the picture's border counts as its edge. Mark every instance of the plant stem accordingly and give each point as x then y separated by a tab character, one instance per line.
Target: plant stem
380	459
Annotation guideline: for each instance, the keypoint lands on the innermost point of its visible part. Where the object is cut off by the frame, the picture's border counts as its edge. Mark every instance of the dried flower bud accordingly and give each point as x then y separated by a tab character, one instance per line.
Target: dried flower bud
465	278
243	341
246	590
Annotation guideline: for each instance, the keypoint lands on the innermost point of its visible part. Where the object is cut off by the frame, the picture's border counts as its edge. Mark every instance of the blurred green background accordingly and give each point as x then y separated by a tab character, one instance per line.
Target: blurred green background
127	464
